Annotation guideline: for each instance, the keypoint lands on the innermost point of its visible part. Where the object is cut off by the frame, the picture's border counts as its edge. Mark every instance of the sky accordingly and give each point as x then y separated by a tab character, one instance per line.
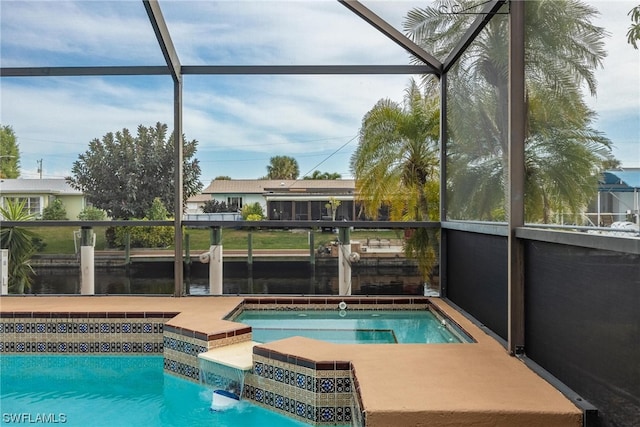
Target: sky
240	122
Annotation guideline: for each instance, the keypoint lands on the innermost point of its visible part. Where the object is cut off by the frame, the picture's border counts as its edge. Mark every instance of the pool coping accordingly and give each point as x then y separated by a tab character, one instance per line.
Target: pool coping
433	382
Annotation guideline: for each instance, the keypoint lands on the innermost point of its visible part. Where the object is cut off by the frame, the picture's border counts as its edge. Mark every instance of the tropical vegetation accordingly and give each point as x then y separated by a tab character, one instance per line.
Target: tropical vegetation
396	167
633	34
21	246
123	173
323	175
564	153
282	167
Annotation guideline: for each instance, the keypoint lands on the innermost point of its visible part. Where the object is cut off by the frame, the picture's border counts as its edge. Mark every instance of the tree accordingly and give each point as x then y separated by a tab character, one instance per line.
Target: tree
563	49
20	243
633	35
612	164
332	206
222	178
283	167
122	174
396	166
323	175
563	156
396	161
9	154
55	211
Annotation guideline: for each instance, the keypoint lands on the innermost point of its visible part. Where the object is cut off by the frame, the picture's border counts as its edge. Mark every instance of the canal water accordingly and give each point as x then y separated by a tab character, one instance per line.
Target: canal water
293	278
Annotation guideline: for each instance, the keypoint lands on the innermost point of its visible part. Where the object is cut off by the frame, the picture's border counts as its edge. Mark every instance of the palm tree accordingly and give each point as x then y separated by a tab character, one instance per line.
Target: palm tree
282	167
560	143
562	51
323	175
19	242
396	166
633	34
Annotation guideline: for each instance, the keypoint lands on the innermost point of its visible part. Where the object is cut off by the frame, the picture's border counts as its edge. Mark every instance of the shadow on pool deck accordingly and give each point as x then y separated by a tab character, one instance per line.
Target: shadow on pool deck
400	384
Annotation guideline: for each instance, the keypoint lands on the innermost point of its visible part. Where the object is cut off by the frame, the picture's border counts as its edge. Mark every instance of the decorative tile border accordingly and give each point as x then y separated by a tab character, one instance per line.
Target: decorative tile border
182	346
320	393
331	303
181	354
79	333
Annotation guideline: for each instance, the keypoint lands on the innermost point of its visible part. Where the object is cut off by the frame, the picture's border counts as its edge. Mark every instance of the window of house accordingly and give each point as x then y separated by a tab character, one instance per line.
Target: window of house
32	204
234	201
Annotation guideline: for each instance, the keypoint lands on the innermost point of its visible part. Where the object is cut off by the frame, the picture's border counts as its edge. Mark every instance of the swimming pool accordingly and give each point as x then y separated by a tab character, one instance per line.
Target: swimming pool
113	391
353	326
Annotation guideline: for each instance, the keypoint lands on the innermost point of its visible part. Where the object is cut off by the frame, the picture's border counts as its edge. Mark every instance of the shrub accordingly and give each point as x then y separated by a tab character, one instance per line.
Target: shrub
253	217
214	206
143	236
157	211
140	237
55	211
253	212
91	213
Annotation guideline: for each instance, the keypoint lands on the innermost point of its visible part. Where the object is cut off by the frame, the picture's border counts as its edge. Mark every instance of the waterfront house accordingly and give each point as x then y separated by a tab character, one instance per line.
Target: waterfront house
285	199
618	197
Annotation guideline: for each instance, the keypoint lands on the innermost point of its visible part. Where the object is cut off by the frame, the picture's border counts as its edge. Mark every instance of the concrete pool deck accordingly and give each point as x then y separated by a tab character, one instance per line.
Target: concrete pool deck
399	384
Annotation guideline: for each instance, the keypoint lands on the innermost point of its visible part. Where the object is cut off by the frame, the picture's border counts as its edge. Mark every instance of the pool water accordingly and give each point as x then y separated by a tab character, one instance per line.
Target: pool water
352	326
113	391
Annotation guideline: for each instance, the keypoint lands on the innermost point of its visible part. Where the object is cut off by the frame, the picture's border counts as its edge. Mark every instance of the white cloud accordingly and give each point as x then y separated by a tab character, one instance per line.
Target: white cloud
618	96
275	33
285	113
619	79
35	33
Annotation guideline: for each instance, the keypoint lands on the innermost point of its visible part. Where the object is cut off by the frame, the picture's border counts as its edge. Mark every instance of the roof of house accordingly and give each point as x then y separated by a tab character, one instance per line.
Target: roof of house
37	186
262	186
199	198
628	179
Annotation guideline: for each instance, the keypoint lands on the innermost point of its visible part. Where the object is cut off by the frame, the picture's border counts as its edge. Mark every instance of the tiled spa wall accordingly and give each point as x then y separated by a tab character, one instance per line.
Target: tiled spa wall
182	346
82	333
319	393
316	392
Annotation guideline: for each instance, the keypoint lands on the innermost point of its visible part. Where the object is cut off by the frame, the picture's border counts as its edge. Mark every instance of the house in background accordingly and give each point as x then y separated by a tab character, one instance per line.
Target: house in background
618	197
285	199
40	193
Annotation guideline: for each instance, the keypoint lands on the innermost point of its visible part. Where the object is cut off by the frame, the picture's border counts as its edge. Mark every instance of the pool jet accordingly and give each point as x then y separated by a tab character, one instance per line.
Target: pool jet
224	399
224	369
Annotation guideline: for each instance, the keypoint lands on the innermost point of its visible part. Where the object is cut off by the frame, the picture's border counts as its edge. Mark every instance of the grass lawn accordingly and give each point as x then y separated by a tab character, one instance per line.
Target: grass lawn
60	240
